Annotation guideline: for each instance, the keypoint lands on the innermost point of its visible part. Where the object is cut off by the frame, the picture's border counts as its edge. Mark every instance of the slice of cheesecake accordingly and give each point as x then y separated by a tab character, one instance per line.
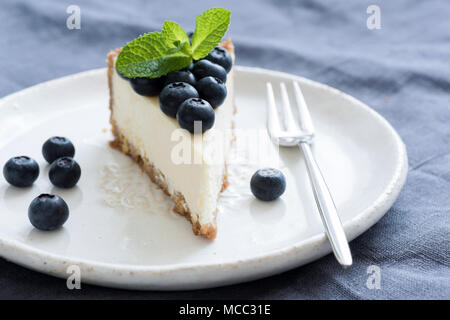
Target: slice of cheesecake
142	131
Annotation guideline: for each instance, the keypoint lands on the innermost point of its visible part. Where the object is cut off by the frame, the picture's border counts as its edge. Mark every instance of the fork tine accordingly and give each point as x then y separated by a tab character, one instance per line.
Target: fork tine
273	123
305	118
288	117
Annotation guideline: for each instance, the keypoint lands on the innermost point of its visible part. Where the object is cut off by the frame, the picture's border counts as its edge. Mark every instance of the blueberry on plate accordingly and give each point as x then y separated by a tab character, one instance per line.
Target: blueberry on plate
173	95
180	76
196	110
21	171
147	86
48	212
268	184
212	90
221	57
204	68
64	172
57	147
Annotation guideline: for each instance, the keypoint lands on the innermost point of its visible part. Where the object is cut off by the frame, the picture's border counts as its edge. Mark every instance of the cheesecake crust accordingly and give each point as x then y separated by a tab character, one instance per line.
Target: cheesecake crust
120	143
208	230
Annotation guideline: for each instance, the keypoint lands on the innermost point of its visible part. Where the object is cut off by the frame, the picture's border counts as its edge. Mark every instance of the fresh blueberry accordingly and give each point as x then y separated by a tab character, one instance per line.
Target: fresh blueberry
147	86
212	90
173	95
222	57
57	147
193	110
204	68
121	75
64	172
48	212
21	171
180	76
268	184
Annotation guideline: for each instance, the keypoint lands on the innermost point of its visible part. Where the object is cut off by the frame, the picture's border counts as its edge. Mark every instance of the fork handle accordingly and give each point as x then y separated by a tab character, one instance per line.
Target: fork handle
327	209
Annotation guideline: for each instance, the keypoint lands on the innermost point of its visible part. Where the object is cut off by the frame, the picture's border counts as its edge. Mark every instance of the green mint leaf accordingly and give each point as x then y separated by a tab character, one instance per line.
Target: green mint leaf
173	33
210	28
155	54
152	56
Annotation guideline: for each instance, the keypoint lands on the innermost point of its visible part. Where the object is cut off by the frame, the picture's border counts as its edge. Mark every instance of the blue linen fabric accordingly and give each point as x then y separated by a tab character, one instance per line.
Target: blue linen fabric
402	70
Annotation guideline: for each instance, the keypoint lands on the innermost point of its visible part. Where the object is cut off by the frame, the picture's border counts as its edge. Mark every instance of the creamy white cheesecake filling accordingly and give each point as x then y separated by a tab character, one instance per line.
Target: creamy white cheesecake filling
148	129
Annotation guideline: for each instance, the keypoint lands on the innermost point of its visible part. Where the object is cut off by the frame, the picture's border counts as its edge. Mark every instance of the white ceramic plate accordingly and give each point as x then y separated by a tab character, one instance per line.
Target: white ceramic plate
121	231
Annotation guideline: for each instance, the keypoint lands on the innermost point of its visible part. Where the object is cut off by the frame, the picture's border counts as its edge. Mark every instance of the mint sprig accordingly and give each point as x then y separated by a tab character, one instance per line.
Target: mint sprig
155	54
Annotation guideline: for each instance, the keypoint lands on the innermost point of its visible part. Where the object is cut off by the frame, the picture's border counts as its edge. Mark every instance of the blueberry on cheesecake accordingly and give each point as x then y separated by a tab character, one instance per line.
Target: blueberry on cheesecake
212	90
173	95
164	85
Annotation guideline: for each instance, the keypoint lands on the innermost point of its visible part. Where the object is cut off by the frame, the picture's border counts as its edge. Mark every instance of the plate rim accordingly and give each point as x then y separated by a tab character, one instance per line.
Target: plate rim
30	257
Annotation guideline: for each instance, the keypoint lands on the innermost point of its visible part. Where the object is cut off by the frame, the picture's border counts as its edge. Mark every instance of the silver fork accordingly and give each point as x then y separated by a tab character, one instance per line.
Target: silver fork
302	135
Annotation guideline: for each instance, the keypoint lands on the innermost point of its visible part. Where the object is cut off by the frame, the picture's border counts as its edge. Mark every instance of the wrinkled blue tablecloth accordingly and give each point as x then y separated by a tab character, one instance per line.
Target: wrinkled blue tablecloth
402	70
